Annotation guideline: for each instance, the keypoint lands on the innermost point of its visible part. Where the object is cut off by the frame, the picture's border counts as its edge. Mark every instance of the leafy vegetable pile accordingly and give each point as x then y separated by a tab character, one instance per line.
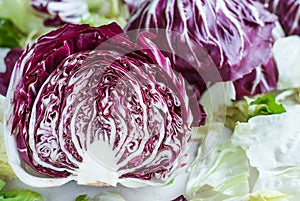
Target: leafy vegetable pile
102	106
259	160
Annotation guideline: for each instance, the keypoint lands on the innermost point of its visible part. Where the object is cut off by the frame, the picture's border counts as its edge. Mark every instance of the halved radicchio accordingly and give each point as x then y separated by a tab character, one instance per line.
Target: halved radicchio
87	104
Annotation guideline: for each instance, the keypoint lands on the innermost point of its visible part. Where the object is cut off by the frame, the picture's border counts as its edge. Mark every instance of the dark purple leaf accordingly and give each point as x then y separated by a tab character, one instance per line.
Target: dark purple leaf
288	12
180	198
207	41
12	56
262	79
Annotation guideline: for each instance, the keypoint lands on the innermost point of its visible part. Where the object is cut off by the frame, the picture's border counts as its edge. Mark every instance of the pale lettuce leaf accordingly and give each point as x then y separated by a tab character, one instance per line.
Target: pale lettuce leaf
285	180
6	171
270	141
262	196
223	173
286	53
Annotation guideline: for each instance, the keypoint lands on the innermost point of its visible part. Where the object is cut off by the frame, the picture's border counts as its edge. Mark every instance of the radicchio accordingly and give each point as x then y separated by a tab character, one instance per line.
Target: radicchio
288	12
236	35
262	79
86	96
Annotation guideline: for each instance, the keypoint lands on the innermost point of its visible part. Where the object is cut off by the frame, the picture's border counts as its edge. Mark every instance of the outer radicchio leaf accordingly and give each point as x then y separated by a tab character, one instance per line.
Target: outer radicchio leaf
262	79
88	104
10	60
288	12
62	11
218	40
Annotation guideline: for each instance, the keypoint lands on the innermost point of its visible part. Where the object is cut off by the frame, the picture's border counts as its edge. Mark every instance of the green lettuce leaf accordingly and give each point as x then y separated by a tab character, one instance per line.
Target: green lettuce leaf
18	194
265	105
10	35
243	110
25	18
83	198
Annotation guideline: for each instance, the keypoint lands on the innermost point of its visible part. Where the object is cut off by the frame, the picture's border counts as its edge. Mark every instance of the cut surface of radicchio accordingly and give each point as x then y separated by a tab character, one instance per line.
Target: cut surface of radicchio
87	104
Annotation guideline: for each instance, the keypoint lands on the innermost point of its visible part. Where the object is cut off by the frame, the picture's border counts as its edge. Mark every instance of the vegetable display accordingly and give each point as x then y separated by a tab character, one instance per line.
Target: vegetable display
236	35
153	100
88	99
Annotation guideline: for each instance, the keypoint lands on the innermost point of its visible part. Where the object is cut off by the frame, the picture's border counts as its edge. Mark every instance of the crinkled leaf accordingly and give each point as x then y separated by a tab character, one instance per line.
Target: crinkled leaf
266	105
284	180
262	195
287	56
268	196
270	141
20	195
224	172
